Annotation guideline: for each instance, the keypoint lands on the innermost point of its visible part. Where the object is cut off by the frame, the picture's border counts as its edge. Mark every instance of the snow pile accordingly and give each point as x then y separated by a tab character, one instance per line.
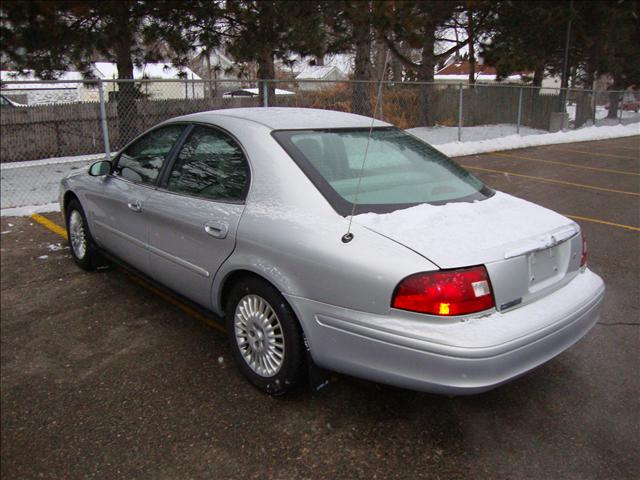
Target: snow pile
470	233
30	210
37	184
510	142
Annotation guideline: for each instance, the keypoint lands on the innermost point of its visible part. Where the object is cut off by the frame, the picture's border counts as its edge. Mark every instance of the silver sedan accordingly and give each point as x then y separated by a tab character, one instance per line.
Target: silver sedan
328	240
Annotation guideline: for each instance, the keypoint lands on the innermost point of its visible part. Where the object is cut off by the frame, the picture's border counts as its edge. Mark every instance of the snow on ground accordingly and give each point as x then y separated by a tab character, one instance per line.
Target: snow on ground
440	135
601	114
493	142
32	187
34	184
30	210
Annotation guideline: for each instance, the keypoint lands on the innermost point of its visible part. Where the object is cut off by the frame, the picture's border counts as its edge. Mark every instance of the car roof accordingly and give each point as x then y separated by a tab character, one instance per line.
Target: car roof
287	118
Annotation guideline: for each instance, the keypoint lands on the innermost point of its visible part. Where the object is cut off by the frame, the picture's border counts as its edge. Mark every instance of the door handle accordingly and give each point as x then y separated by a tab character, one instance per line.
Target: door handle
135	206
216	229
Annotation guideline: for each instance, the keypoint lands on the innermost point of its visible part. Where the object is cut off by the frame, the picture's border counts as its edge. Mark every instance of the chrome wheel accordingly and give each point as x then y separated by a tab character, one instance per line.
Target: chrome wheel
77	234
259	335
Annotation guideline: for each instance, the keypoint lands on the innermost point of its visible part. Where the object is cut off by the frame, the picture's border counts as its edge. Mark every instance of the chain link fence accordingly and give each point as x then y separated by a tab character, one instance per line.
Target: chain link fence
49	128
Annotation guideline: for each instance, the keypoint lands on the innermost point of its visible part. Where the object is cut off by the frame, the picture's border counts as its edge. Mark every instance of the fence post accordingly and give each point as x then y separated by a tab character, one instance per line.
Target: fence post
460	114
621	108
595	105
103	121
519	111
265	93
381	101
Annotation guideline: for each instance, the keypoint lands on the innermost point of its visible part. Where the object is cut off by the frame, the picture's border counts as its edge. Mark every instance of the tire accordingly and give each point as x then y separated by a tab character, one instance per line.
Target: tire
276	366
83	249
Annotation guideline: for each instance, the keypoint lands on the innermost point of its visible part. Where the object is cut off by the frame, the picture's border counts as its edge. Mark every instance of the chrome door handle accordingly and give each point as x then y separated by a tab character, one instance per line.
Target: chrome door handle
135	206
216	229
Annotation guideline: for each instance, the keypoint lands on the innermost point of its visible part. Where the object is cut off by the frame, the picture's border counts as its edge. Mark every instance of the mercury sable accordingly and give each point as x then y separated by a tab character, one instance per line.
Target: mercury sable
404	269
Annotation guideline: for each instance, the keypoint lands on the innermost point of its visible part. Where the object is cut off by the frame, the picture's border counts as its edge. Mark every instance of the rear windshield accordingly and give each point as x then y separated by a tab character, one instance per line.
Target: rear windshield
400	170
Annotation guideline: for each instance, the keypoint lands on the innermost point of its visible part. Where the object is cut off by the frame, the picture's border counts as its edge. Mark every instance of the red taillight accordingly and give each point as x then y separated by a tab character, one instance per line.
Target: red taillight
583	258
453	292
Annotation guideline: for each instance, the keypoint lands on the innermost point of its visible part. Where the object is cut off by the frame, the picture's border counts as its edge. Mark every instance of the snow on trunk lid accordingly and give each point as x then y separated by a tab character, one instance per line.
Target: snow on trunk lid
528	250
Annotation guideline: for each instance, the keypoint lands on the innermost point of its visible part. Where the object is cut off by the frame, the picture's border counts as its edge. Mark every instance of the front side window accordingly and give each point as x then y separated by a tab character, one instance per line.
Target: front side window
142	160
400	170
210	165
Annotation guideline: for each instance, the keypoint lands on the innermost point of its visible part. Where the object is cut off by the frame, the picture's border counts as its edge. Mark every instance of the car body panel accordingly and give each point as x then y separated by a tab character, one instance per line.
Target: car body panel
452	355
114	225
180	231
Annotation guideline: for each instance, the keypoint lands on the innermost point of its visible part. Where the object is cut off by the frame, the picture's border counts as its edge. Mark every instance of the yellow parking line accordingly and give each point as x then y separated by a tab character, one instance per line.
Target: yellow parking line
57	229
603	222
174	301
553	162
552	180
623	147
54	227
594	153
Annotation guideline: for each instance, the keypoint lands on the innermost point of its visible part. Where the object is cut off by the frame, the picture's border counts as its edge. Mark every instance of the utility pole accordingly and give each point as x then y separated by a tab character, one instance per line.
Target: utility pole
565	67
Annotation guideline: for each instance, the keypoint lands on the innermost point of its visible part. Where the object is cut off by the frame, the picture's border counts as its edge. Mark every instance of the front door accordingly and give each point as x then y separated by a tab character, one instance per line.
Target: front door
117	208
194	215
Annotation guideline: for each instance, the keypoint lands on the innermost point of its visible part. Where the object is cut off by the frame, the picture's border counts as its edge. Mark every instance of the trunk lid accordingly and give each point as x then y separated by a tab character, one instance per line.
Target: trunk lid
528	250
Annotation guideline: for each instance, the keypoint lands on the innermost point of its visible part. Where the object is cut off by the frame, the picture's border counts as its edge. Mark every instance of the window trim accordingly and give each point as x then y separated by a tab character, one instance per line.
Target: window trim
342	206
161	184
154	184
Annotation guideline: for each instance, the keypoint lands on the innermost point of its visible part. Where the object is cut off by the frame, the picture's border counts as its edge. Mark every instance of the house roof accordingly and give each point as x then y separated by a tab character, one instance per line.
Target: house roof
104	70
109	70
252	92
8	75
318	72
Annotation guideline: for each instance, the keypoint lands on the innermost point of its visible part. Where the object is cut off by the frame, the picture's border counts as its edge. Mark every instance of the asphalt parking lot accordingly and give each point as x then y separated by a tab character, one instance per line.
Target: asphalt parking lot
102	377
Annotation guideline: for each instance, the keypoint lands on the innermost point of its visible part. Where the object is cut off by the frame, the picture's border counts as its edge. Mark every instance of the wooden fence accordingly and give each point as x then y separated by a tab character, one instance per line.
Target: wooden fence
74	128
71	129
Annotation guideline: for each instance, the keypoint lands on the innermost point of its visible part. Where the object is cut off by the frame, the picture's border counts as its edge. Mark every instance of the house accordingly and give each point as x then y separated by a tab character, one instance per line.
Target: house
70	87
164	90
74	87
318	72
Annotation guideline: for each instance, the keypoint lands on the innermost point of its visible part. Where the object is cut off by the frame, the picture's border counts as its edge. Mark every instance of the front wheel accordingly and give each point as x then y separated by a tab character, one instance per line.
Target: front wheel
265	336
83	249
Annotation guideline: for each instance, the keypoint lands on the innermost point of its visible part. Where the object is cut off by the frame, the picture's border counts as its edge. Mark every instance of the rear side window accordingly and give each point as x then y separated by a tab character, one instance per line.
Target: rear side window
142	160
210	165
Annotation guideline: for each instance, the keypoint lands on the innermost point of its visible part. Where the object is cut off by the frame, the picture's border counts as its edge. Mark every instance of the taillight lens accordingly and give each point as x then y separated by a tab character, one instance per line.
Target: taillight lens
583	258
452	292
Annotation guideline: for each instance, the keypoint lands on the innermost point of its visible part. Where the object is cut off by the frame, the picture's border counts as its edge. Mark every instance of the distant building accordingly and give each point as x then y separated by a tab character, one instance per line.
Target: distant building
73	87
69	88
318	72
152	90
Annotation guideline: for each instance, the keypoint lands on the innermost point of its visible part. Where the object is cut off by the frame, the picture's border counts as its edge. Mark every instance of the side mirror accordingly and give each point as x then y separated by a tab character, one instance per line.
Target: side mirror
100	169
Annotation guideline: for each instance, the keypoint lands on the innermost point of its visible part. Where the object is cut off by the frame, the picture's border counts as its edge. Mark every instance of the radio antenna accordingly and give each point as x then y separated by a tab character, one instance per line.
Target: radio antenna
347	237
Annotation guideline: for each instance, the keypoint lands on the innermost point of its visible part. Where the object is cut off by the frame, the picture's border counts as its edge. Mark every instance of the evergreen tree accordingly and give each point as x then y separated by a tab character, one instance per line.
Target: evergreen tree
261	31
52	37
415	24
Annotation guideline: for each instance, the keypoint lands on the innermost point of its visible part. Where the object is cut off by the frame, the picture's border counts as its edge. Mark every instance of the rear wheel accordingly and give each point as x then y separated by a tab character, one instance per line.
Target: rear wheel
83	249
265	336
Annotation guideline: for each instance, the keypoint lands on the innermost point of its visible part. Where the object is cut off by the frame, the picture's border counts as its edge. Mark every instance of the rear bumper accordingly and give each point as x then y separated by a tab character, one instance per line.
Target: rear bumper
450	356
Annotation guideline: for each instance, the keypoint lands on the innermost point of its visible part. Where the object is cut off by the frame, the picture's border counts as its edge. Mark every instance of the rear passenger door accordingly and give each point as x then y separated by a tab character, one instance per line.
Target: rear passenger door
194	214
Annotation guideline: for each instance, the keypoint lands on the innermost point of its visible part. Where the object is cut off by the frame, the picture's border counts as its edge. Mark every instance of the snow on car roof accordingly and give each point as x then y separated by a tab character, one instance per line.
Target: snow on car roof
285	118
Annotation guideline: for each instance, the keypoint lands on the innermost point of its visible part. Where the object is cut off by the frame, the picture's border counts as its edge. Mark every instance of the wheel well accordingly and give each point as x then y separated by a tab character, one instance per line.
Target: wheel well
234	278
68	196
